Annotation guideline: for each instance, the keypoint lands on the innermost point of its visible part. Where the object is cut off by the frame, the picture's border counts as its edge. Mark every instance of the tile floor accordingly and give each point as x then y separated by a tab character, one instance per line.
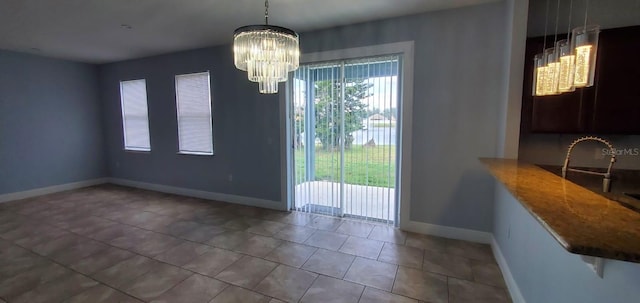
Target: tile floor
116	244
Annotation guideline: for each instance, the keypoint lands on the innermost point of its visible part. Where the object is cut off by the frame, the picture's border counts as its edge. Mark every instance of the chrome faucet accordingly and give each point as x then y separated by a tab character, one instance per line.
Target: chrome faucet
606	181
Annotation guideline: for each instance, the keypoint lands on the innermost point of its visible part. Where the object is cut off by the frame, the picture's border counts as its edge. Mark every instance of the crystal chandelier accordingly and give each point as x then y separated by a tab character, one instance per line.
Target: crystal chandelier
266	52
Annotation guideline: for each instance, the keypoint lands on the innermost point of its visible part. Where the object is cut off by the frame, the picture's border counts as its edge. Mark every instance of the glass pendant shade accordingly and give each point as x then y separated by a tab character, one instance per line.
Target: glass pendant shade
552	71
267	53
539	71
584	42
567	66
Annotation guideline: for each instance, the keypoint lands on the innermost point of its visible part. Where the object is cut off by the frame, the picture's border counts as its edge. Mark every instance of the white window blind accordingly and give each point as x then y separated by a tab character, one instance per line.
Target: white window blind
193	102
135	119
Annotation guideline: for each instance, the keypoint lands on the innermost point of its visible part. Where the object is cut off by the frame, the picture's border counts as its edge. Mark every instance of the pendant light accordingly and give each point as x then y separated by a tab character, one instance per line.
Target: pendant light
552	59
567	60
584	41
539	72
540	63
552	71
266	52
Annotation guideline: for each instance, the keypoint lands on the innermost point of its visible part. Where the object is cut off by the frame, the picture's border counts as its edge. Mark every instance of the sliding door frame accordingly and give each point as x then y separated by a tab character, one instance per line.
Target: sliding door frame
406	51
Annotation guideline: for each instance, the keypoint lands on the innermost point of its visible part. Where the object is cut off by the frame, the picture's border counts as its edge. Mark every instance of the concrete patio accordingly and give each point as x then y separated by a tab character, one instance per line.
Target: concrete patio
368	202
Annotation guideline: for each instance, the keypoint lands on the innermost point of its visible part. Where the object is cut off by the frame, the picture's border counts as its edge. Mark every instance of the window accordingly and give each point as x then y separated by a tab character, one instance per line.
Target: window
193	102
135	119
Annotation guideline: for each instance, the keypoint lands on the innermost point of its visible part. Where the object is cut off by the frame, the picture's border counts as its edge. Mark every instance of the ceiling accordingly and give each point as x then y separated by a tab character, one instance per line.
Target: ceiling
606	13
101	31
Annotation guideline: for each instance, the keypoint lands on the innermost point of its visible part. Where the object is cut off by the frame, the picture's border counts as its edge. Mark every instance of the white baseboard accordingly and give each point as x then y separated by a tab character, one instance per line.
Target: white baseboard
512	286
49	190
448	232
249	201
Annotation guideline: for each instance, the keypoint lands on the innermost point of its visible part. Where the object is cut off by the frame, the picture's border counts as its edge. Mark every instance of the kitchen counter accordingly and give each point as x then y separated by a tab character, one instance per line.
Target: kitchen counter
582	222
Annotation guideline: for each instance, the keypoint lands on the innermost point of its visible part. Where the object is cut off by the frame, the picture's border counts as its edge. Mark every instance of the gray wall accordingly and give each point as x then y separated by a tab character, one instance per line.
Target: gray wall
458	87
50	123
246	127
458	74
546	272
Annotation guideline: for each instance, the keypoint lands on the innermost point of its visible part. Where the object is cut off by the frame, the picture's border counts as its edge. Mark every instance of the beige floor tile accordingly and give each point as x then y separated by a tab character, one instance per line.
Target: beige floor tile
372	295
213	262
69	222
230	239
40	237
57	245
294	233
133	237
401	255
183	253
177	228
121	274
296	218
388	234
233	294
258	246
447	264
354	228
156	222
428	242
155	244
327	240
159	279
112	232
325	223
101	260
14	286
420	285
86	247
266	228
327	289
372	273
90	225
362	247
462	291
195	289
102	294
202	233
476	251
487	273
241	223
14	260
57	290
291	254
329	263
286	283
246	272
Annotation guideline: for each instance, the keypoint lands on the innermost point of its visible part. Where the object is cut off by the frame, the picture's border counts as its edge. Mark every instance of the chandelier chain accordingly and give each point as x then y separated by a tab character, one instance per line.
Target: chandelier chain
546	20
266	12
555	37
569	25
586	11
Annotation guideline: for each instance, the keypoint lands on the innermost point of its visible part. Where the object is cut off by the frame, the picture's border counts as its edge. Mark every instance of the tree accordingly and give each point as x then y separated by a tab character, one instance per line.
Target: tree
390	113
328	112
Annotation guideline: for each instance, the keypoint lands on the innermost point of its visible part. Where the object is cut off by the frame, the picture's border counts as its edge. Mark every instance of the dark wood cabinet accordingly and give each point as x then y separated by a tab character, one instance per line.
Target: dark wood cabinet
610	106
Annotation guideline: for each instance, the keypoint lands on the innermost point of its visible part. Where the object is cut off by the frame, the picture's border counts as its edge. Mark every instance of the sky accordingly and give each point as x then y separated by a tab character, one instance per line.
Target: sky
384	92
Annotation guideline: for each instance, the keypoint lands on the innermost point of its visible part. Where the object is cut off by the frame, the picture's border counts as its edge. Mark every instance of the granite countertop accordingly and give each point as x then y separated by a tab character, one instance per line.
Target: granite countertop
582	222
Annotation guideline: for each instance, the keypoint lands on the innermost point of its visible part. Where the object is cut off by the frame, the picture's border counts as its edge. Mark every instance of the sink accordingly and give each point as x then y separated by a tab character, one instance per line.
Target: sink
624	185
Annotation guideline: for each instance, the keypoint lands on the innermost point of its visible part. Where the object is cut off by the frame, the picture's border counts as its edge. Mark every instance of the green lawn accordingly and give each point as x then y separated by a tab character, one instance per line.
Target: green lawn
363	165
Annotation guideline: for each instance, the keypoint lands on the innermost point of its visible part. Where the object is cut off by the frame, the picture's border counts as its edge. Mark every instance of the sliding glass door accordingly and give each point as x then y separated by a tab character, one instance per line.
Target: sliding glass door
344	118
